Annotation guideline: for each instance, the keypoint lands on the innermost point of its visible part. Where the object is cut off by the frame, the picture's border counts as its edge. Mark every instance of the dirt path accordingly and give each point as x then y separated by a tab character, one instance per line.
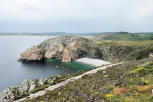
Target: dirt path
51	88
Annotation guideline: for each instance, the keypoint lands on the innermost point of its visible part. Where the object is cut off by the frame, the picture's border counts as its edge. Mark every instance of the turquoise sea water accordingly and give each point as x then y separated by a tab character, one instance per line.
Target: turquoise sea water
77	66
12	72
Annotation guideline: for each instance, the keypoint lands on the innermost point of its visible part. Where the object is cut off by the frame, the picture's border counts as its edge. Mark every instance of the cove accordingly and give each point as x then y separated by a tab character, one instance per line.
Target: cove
12	72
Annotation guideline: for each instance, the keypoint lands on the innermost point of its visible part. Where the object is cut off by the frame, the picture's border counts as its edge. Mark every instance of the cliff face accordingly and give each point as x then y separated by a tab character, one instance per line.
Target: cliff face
66	48
69	48
60	47
33	53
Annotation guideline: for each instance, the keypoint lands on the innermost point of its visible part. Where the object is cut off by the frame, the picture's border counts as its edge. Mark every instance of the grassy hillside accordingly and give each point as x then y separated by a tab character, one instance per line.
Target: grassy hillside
125	37
130	82
122	50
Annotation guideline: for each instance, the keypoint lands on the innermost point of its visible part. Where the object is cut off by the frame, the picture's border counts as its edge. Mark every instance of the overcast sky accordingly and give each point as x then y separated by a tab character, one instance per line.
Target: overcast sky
76	15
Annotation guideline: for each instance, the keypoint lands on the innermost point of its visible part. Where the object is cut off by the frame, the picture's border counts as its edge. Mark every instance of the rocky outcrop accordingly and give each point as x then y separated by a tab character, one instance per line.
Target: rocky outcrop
27	85
60	47
67	52
68	48
33	54
9	94
12	92
54	52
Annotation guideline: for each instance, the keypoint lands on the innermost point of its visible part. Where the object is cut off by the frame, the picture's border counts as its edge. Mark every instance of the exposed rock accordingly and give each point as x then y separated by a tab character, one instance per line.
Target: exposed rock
67	52
60	47
151	55
54	52
105	76
49	54
27	85
42	81
11	93
8	94
33	54
68	48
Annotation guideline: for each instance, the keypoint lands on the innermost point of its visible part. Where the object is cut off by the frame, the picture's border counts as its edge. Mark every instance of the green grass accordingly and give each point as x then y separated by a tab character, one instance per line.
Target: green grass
127	37
58	78
131	82
132	78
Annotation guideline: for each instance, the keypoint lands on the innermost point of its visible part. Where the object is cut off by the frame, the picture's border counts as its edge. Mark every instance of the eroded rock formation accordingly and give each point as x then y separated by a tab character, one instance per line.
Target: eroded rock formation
11	93
68	48
60	47
33	54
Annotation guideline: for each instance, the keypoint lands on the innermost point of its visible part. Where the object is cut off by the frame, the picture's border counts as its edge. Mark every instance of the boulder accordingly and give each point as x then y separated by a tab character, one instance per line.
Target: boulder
27	85
42	81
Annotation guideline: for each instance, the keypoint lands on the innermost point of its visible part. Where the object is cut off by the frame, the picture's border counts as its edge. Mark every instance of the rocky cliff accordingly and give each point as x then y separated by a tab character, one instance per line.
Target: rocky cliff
28	87
60	47
68	48
9	94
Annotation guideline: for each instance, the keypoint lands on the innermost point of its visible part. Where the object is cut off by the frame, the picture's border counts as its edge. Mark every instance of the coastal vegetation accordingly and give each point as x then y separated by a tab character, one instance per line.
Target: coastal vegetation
69	48
125	36
129	82
121	83
114	84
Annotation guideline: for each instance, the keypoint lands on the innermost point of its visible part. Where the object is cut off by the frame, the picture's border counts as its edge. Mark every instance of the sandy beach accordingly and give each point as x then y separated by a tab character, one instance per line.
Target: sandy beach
94	62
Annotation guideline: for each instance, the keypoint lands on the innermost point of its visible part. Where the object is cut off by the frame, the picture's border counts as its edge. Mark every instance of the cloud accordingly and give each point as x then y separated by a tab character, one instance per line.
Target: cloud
74	9
140	10
116	14
56	9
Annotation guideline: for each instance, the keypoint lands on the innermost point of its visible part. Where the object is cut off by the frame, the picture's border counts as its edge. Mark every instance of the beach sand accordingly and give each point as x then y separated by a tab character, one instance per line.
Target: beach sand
94	62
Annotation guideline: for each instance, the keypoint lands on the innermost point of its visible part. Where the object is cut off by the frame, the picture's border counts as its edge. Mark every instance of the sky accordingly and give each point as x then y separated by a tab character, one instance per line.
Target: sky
78	16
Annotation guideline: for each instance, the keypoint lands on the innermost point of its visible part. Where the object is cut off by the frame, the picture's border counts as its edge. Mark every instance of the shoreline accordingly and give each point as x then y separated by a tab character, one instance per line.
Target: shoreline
40	36
53	87
93	62
28	36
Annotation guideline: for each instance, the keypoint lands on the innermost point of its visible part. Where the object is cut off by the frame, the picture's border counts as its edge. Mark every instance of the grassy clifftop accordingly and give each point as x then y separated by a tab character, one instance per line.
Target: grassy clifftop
125	37
119	50
130	82
69	48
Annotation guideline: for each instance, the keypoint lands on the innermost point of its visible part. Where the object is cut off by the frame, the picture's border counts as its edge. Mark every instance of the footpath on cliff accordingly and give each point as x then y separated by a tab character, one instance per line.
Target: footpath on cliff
53	87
